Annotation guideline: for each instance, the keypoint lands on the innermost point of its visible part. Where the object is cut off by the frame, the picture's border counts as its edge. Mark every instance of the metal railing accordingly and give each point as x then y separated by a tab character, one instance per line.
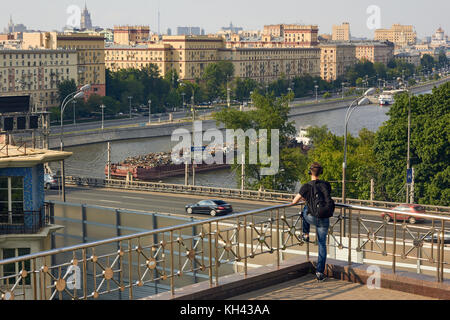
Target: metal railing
226	192
24	222
208	249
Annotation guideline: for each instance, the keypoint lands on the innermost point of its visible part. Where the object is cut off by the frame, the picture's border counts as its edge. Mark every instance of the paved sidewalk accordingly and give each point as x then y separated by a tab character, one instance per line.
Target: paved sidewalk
307	288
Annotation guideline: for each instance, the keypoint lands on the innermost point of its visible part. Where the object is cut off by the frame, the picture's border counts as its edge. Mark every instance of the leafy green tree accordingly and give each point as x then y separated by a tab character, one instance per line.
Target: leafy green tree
65	88
243	87
427	62
430	150
269	113
215	78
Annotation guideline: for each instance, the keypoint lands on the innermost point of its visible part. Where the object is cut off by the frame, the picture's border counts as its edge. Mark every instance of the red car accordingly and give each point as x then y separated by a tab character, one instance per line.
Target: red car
406	208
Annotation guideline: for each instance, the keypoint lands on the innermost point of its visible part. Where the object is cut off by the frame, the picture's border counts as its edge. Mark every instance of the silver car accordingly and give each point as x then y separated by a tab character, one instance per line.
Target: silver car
50	181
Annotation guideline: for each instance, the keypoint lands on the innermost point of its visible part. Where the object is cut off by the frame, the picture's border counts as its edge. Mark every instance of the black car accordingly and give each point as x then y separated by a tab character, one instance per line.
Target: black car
429	238
212	207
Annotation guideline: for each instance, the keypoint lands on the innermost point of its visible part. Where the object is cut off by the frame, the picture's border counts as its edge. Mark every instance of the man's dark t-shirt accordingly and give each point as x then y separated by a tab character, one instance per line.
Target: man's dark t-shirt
306	191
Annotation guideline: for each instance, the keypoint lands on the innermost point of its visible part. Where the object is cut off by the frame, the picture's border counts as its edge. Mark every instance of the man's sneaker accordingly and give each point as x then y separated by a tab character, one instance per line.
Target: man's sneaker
320	277
305	238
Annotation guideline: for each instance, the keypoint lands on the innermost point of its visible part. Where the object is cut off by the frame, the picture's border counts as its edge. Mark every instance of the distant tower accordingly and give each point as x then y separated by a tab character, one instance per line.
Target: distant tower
86	22
10	25
159	21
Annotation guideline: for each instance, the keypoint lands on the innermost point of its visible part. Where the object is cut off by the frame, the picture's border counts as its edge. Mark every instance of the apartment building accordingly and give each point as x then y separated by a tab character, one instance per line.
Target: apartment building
341	32
268	64
37	73
335	59
125	35
294	34
90	51
375	51
190	55
400	35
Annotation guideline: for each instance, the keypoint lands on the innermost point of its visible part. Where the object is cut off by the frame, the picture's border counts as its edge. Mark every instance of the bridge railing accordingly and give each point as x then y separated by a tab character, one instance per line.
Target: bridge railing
133	265
226	192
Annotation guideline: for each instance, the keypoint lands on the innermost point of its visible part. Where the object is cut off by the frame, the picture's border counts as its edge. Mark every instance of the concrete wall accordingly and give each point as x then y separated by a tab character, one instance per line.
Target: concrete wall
143	131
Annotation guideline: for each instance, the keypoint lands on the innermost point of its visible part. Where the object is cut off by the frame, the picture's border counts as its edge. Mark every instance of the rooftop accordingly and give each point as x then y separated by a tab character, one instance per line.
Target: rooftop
21	156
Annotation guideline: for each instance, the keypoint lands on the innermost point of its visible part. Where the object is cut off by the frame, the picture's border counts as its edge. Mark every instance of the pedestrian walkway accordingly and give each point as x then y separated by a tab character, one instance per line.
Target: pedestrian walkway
307	288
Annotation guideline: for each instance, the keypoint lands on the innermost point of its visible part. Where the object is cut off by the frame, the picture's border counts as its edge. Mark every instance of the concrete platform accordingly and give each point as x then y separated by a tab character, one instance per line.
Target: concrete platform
307	288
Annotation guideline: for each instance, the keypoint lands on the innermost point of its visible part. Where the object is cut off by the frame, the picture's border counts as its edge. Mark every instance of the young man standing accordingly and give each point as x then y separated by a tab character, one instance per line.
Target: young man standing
317	211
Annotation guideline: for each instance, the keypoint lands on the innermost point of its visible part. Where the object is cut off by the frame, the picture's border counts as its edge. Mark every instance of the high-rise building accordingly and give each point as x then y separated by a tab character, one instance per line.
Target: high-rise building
85	22
341	33
12	28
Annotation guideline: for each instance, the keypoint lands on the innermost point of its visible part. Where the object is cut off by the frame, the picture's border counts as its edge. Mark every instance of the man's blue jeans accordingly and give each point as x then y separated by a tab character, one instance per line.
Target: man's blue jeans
322	226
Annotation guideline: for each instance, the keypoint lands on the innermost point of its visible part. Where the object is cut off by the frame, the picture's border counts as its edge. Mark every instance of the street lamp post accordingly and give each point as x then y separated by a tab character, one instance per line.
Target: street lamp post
149	111
74	95
359	101
193	133
74	112
183	94
316	87
129	98
103	115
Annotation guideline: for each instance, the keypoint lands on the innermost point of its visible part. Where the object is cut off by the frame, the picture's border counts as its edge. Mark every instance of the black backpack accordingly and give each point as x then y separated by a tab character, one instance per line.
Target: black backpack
321	205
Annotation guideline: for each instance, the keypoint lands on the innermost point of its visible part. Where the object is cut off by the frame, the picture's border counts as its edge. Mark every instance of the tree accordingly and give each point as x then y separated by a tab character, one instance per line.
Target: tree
430	149
65	88
215	78
269	113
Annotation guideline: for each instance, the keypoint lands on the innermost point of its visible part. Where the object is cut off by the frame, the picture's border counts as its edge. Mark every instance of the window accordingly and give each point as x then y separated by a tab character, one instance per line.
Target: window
14	268
11	200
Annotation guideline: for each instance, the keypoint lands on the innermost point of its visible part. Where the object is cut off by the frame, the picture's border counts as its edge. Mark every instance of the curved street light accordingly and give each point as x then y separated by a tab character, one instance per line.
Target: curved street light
362	100
70	97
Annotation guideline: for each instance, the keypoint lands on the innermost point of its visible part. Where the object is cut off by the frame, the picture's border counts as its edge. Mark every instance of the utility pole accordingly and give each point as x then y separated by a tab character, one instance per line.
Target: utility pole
228	94
103	115
186	169
193	133
129	98
408	164
74	106
372	190
109	161
243	172
149	111
411	200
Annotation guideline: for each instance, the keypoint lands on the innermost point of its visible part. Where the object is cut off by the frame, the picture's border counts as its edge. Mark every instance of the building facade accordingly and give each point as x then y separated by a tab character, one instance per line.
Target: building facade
90	51
400	35
294	35
131	34
412	57
375	51
341	33
36	72
335	59
190	55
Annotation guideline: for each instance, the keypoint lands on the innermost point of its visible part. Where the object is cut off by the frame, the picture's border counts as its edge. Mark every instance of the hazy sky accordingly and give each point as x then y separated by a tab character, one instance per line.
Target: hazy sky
211	15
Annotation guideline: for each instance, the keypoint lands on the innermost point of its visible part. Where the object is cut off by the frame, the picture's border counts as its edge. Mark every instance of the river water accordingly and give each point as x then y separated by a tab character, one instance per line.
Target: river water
90	160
